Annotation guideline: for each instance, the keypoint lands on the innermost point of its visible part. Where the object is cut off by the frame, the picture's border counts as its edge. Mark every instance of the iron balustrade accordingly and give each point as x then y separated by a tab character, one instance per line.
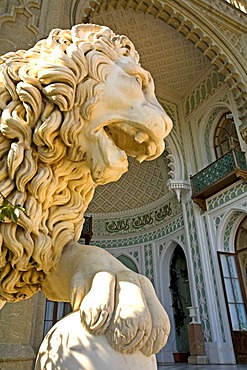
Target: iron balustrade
218	175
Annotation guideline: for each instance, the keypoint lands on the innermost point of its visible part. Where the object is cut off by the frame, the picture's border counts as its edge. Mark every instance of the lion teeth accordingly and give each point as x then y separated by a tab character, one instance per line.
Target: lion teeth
140	158
141	137
126	128
151	149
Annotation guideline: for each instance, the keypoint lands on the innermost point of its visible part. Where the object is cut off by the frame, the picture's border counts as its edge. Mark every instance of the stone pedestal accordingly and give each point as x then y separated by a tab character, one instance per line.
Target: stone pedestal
197	351
21	331
68	346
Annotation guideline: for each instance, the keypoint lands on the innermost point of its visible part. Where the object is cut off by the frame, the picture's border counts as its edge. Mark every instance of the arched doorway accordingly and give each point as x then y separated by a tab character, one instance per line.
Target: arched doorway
128	262
234	275
180	292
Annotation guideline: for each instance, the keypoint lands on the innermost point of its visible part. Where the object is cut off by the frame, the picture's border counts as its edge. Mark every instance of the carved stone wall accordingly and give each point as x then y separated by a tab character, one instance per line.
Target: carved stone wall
24	22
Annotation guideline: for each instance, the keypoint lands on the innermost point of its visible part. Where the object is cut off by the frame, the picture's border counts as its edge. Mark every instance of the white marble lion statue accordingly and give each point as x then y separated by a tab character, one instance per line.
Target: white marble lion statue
73	108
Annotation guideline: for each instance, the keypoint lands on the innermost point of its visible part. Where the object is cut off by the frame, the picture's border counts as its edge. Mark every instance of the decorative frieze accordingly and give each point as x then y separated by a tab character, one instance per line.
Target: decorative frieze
145	237
140	221
225	196
133	224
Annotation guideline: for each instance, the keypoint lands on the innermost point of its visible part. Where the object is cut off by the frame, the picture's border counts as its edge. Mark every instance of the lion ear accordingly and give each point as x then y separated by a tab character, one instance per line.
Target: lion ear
89	32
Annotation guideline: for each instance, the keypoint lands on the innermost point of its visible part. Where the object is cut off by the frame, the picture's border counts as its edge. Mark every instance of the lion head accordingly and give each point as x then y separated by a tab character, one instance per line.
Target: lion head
72	109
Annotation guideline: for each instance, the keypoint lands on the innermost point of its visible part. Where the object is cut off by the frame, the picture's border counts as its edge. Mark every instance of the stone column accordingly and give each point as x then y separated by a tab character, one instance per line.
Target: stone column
21	332
197	351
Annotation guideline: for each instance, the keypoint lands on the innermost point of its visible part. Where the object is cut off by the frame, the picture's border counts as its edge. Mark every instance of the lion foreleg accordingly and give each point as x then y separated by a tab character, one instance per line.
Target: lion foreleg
83	277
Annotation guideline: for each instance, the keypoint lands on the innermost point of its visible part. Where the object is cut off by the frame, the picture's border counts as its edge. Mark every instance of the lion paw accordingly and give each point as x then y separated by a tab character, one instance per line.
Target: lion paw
94	317
130	329
155	342
97	306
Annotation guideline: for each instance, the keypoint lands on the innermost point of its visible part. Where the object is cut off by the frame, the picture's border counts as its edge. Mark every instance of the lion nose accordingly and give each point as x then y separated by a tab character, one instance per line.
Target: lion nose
168	123
158	107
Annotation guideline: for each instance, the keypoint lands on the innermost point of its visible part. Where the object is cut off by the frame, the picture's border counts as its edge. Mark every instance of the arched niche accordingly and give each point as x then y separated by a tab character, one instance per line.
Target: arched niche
181	298
128	262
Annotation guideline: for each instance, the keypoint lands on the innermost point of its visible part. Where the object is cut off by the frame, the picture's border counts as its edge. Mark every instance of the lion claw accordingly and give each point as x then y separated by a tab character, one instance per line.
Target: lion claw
97	306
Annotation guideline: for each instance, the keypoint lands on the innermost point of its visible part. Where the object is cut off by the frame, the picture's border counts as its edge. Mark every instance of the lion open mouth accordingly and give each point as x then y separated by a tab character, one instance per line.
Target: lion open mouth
133	141
116	141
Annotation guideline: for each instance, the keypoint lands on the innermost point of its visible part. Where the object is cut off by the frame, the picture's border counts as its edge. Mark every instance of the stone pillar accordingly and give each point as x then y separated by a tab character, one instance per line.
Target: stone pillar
197	351
21	332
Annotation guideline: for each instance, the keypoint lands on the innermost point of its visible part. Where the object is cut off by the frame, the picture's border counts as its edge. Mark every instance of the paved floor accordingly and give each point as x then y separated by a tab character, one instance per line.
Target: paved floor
201	367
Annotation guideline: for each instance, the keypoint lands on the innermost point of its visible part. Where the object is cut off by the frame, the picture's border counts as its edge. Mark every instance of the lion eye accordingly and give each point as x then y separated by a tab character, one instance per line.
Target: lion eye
139	80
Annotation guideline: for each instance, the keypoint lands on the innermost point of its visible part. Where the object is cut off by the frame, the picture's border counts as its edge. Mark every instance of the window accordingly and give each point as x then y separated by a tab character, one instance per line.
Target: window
225	137
233	292
233	268
241	250
54	311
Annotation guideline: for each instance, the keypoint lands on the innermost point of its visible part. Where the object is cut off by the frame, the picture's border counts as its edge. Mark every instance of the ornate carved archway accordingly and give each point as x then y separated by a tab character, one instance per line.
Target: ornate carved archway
186	18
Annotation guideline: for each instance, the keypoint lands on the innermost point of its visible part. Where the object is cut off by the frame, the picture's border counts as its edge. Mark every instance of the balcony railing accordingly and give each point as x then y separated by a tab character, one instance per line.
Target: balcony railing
239	4
226	170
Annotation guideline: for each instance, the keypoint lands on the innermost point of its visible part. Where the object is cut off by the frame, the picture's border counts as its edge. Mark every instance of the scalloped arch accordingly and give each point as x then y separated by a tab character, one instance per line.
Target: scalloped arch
228	228
175	158
208	126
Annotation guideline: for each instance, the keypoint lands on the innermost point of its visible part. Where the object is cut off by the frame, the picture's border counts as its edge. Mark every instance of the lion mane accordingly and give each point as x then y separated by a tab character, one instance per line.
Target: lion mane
46	94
